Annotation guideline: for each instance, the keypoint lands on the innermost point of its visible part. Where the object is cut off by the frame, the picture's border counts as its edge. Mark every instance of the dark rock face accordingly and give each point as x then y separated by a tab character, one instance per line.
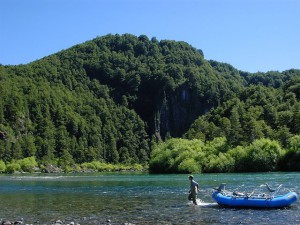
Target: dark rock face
178	111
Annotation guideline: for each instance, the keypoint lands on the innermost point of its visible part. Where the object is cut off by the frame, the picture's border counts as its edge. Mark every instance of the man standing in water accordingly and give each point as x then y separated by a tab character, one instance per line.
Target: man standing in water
193	190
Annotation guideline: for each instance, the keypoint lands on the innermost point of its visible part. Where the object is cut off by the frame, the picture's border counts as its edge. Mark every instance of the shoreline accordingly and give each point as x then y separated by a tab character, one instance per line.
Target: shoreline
91	167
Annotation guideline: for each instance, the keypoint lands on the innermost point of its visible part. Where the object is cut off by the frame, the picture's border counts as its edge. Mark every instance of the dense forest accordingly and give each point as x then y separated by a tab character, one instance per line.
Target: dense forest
122	99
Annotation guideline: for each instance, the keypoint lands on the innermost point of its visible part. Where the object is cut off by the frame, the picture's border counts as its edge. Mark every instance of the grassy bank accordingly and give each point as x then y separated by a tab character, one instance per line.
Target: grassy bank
30	165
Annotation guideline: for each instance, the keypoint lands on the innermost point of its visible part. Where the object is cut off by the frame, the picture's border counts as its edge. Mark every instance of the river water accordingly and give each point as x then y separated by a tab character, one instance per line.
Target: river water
138	198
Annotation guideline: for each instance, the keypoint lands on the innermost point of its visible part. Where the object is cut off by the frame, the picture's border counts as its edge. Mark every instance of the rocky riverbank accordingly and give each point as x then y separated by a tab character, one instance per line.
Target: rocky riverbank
60	222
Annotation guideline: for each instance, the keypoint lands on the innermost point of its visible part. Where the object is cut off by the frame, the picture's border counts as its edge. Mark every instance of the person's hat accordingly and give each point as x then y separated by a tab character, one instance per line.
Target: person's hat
191	176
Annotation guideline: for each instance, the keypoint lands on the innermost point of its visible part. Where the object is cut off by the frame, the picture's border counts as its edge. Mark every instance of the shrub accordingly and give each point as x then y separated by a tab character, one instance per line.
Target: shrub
28	164
291	160
2	166
189	166
221	163
239	156
88	165
173	156
263	155
98	166
13	167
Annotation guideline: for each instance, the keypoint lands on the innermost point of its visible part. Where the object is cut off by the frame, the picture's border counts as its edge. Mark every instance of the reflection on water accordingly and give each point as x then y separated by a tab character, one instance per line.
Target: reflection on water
137	198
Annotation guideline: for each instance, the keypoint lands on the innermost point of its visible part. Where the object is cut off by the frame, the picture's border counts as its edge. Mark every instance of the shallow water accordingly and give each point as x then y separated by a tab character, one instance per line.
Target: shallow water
137	198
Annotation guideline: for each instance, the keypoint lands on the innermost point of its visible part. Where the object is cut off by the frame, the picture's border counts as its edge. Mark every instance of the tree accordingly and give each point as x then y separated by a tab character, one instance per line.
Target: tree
2	166
28	146
291	160
236	132
263	155
28	164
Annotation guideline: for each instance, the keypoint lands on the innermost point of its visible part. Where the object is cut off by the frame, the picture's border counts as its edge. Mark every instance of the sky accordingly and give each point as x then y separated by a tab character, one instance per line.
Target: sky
251	35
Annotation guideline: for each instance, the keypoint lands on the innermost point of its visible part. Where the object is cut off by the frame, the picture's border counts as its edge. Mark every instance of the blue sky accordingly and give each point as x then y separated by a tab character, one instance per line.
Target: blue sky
251	35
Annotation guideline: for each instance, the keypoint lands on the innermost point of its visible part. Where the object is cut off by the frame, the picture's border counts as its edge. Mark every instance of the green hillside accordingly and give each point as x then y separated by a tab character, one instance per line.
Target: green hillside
113	98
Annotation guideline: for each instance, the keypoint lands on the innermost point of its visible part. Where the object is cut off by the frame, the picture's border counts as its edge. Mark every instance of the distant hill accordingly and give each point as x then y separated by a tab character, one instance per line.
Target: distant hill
111	98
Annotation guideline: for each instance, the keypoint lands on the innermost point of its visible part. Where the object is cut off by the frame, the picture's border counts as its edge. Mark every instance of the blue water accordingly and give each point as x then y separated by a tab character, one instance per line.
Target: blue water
137	198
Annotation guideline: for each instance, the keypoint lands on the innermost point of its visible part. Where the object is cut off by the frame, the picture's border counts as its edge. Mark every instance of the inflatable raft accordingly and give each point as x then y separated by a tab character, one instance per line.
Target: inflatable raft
270	200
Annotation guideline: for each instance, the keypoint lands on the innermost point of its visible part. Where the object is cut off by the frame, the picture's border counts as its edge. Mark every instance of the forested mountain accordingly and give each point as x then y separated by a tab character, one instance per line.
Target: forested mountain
169	84
111	98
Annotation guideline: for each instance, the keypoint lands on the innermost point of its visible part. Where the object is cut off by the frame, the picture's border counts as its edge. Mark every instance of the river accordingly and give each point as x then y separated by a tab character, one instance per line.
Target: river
138	198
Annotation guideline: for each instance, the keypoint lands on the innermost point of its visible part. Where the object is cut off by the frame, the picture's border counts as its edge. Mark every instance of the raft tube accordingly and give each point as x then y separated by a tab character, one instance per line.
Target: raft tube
279	201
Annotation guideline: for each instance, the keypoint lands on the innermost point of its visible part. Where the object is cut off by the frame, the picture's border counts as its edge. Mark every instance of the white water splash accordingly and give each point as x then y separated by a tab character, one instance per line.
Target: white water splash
206	204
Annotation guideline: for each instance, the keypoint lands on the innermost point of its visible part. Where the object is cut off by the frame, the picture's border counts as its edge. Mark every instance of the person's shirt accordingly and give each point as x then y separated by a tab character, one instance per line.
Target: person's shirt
194	184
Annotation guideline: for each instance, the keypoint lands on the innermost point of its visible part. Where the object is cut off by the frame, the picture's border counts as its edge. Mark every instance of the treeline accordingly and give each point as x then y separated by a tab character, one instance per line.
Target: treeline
113	98
216	156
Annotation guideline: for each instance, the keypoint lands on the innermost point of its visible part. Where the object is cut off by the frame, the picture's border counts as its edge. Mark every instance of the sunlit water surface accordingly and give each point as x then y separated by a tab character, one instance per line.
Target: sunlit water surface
137	198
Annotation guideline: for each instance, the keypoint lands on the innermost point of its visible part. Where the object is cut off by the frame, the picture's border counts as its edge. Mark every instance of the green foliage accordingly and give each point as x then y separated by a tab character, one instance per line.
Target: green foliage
259	112
27	164
44	118
106	167
2	166
102	100
189	166
13	167
239	154
191	156
291	160
97	166
174	156
220	163
263	155
184	156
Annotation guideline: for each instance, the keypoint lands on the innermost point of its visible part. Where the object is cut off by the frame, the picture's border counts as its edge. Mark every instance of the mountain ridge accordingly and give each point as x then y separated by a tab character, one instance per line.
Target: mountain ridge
154	89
